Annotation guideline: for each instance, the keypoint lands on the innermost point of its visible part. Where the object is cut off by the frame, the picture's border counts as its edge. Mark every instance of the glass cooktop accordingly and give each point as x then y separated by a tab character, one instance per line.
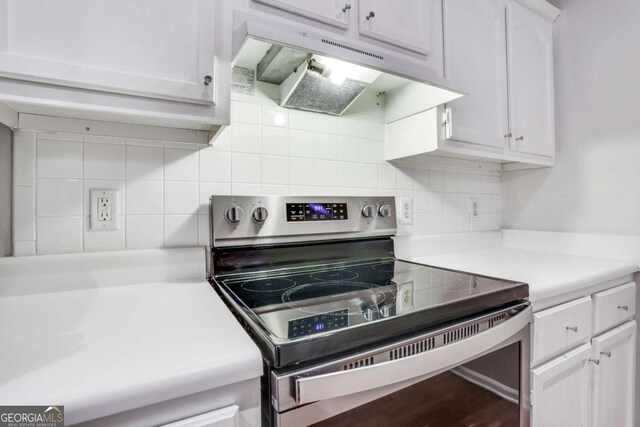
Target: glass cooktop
300	303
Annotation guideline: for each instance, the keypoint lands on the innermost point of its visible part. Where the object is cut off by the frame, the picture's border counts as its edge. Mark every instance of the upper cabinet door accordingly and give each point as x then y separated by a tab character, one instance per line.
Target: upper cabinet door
162	49
614	377
530	65
560	390
333	12
475	58
405	23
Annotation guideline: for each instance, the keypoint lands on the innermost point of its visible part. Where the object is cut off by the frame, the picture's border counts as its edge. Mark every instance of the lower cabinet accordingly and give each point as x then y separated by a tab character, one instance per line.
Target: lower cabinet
560	390
592	385
613	379
225	417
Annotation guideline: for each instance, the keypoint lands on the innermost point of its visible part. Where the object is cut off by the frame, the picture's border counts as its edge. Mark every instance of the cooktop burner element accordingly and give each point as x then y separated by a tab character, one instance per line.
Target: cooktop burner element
395	267
335	275
273	284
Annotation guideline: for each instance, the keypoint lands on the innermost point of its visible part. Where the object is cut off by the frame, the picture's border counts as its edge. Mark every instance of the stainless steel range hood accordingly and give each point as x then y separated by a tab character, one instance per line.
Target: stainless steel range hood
314	71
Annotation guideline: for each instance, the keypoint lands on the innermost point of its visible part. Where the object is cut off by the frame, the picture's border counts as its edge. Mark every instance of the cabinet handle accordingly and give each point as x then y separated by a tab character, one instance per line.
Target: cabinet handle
624	307
520	138
371	15
207	80
346	7
606	353
508	135
596	361
572	328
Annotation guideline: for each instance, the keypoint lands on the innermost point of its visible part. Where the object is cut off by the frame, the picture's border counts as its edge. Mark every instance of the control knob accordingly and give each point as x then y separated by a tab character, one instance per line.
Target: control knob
235	214
367	313
384	310
260	214
368	211
384	211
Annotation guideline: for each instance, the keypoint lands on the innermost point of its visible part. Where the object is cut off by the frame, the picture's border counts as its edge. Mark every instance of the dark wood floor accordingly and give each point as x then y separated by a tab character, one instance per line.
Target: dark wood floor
445	400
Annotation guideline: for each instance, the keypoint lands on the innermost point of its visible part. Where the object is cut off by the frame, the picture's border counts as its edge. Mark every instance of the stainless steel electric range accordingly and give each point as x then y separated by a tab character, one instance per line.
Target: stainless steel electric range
346	329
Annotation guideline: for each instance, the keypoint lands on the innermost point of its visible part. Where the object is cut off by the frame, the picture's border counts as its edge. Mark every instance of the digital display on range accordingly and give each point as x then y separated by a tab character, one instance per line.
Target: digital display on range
318	323
297	212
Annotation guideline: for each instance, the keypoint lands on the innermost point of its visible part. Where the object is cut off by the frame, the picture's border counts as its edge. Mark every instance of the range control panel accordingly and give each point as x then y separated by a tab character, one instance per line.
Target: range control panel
317	212
254	220
318	323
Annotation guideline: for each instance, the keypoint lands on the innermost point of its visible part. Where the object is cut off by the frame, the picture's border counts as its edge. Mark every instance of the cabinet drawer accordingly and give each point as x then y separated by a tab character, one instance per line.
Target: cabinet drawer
560	328
614	306
225	417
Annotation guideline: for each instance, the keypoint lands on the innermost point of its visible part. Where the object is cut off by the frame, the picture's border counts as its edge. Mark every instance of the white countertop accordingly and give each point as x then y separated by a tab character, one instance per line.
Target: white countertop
552	278
106	349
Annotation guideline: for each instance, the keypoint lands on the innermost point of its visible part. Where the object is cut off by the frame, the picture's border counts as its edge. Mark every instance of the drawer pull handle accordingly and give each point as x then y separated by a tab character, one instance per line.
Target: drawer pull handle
572	328
596	361
624	307
606	353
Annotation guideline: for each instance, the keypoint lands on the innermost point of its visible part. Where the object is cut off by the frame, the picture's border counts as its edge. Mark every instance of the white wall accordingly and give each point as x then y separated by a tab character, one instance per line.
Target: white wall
594	186
267	150
5	190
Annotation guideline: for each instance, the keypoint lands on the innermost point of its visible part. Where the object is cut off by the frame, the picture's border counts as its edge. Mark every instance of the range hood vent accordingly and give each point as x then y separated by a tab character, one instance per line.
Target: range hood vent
311	91
278	64
325	85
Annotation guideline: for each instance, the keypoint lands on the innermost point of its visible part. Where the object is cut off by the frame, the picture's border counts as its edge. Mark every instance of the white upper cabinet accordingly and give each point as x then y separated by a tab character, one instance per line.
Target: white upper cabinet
333	12
161	49
530	56
500	52
405	24
614	377
475	58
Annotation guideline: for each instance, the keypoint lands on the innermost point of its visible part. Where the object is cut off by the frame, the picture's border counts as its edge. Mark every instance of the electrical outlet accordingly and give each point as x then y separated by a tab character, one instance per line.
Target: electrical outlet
405	297
104	210
406	211
474	209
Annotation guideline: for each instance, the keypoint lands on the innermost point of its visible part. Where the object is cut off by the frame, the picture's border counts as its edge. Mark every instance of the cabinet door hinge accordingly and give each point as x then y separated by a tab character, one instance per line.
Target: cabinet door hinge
446	122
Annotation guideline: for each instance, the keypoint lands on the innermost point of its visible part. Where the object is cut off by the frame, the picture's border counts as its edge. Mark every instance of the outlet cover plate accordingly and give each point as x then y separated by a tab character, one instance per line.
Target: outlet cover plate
474	209
104	210
405	211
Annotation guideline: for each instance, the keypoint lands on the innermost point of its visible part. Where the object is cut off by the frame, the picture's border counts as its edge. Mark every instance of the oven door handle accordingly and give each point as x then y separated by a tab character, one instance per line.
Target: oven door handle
328	386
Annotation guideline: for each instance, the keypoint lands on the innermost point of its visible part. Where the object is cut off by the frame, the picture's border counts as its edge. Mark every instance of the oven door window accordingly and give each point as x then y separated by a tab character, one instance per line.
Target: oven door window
483	392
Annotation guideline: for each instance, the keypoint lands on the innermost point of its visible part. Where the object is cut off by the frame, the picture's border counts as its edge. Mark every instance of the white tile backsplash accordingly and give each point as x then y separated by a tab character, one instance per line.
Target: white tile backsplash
181	230
215	166
246	137
144	197
144	162
144	231
301	143
99	240
58	197
58	235
181	198
164	187
58	159
275	170
245	168
180	165
275	141
103	161
24	213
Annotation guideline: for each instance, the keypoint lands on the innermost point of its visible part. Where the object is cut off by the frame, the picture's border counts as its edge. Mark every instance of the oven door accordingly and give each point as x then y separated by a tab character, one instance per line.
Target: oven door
475	372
